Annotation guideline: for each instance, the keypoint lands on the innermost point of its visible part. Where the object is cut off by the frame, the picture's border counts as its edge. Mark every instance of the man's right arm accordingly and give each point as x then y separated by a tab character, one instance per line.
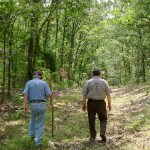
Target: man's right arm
25	99
84	103
84	98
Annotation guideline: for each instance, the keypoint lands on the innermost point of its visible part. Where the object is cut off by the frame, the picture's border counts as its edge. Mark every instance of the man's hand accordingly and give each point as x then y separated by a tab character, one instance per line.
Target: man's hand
109	102
84	106
84	103
25	108
109	107
25	99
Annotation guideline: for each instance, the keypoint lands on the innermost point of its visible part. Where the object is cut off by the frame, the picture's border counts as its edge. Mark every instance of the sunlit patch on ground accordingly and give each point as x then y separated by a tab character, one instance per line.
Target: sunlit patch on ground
12	123
128	123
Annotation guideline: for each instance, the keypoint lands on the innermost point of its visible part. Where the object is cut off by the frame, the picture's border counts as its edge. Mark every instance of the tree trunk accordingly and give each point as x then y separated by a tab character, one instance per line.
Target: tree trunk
4	67
62	46
77	54
142	57
70	56
30	56
33	44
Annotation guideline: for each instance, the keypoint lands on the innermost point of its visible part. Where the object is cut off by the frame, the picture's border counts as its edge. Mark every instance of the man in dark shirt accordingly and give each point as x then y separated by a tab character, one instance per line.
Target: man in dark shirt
96	90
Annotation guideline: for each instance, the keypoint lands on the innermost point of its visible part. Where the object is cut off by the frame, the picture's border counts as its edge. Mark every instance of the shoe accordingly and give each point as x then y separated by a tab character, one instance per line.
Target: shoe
91	139
32	138
103	140
38	146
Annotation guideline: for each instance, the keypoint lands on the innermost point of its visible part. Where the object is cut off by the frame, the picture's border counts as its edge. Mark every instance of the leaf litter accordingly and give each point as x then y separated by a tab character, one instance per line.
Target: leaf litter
120	137
128	123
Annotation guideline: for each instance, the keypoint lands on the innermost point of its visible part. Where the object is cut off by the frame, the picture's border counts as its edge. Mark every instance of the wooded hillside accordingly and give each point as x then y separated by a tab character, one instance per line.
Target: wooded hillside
66	39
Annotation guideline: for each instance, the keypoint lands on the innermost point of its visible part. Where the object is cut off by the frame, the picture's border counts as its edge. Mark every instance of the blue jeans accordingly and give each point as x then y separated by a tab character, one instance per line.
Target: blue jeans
38	111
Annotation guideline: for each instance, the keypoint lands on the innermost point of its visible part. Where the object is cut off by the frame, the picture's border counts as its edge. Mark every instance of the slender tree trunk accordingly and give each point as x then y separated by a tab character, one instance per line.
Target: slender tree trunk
138	60
142	57
15	60
10	61
128	65
30	58
70	56
62	46
33	44
46	35
57	28
9	66
138	67
4	67
77	54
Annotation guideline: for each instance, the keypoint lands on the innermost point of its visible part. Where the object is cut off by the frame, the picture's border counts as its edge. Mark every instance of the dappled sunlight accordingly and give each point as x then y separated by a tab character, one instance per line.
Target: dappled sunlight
128	123
11	129
130	112
16	122
59	104
137	141
73	124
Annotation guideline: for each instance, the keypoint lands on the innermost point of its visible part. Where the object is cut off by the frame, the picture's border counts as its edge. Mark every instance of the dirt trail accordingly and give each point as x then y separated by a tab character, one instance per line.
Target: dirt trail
128	123
126	103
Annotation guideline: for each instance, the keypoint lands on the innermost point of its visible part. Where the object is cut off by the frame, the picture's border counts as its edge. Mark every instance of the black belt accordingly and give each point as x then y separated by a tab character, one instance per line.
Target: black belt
95	100
37	101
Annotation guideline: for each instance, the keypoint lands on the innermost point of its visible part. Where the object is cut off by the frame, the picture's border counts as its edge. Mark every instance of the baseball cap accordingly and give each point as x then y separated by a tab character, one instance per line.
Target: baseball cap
38	73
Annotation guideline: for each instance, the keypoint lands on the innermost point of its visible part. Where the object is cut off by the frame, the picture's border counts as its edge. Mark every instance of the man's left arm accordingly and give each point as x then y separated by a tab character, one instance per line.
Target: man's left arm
48	92
109	102
108	91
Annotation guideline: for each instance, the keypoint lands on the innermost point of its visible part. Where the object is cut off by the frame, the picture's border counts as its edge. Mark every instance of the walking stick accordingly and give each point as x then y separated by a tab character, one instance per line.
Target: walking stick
51	102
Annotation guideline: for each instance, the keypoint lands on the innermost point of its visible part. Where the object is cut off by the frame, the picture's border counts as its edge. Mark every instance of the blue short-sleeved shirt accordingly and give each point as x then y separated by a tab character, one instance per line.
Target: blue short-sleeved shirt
37	89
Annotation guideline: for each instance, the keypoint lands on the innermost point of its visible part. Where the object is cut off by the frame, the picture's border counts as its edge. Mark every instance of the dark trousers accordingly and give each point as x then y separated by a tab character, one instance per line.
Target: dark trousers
97	107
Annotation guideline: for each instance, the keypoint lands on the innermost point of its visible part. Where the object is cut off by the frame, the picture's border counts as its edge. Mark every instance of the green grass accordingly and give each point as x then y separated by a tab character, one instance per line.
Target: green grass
140	120
128	125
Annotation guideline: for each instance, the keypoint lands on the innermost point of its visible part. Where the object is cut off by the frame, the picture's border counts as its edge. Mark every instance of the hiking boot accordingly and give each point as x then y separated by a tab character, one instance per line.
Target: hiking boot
91	139
103	140
32	138
38	146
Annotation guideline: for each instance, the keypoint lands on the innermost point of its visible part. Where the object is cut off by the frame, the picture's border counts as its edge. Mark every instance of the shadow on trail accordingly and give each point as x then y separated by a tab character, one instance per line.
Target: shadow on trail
128	123
85	145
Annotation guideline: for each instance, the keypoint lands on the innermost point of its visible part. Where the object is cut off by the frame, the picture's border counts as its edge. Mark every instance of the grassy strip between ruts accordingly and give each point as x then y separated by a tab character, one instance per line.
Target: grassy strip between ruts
128	123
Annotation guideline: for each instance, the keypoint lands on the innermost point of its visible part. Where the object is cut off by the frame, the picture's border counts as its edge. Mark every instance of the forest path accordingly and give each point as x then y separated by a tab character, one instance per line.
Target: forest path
128	122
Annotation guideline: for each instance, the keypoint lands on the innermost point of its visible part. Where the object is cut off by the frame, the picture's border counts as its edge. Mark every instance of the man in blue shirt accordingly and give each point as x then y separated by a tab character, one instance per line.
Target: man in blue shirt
35	93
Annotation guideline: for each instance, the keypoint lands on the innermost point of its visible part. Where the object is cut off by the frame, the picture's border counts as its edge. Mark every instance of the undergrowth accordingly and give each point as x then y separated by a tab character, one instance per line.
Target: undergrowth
128	123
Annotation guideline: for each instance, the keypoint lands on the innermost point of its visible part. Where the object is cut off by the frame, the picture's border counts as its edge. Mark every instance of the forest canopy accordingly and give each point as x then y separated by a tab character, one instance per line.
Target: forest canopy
66	39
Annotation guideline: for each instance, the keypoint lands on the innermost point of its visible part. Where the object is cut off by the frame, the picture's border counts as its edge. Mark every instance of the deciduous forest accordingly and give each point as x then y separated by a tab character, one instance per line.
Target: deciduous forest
66	39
